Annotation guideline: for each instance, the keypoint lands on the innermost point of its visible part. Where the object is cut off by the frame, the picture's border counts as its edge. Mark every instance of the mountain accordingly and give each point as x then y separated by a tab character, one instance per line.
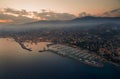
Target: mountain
86	22
47	21
86	18
95	18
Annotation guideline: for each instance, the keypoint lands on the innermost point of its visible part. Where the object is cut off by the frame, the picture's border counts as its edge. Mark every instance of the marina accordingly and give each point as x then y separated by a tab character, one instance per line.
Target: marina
78	54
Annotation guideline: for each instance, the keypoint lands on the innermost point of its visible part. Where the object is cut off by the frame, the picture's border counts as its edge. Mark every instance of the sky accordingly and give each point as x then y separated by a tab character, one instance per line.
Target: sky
55	9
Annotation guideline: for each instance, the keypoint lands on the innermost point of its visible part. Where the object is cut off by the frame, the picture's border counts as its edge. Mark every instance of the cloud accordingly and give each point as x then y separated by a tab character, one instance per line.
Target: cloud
83	14
22	16
17	12
49	15
14	19
112	13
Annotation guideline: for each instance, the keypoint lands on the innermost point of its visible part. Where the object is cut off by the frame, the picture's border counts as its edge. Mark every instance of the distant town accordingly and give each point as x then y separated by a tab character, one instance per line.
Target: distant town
104	42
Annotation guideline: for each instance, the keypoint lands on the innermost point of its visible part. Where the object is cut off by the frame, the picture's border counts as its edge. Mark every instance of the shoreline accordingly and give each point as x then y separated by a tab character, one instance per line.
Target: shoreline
71	53
93	65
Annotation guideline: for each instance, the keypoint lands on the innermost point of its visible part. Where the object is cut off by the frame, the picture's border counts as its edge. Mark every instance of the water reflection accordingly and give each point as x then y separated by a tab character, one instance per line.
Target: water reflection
13	58
9	47
13	55
18	63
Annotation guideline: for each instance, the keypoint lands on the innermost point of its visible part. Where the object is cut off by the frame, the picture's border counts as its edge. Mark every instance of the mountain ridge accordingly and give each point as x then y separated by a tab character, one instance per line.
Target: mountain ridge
86	18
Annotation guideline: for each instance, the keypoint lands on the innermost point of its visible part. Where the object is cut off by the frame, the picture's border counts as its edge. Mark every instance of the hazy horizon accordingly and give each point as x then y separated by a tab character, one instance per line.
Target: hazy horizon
19	11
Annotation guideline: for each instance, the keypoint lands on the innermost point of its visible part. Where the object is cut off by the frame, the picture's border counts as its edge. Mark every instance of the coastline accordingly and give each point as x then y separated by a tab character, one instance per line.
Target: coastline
83	59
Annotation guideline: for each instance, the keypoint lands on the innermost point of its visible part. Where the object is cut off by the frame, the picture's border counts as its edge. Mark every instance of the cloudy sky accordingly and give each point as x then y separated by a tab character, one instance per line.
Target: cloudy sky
19	11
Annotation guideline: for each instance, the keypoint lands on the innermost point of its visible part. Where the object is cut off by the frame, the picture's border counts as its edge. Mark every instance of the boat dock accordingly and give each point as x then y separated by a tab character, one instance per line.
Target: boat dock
77	54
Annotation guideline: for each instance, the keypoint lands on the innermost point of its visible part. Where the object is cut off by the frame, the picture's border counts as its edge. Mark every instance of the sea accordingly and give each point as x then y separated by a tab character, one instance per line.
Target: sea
18	63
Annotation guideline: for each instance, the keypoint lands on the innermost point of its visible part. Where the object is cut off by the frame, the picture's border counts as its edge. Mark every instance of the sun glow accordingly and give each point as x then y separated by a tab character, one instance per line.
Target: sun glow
5	21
